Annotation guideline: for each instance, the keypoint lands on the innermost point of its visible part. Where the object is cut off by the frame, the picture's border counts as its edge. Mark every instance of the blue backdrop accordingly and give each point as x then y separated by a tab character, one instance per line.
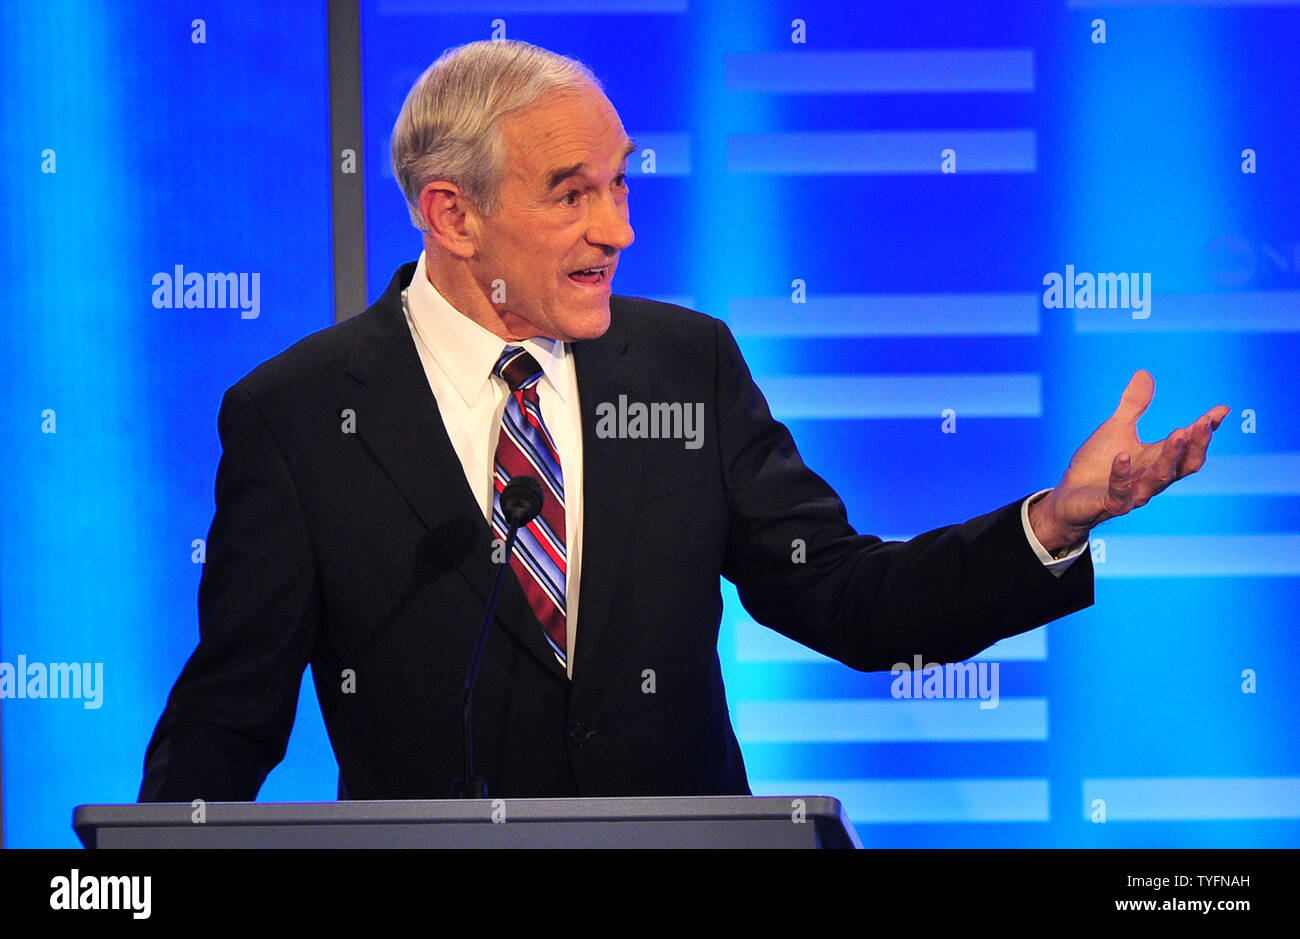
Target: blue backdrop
872	195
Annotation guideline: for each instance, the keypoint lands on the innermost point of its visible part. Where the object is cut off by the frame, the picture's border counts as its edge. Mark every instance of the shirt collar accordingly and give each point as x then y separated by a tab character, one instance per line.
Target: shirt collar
464	350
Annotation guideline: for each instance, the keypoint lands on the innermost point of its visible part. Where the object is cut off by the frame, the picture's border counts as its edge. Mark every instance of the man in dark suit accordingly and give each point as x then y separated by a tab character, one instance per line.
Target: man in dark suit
358	483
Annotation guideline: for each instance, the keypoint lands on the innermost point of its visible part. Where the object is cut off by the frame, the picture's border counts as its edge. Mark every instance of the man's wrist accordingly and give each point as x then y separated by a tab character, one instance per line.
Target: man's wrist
1057	539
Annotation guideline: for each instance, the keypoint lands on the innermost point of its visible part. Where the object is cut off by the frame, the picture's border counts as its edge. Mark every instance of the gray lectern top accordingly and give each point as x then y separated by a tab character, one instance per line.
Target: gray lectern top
651	822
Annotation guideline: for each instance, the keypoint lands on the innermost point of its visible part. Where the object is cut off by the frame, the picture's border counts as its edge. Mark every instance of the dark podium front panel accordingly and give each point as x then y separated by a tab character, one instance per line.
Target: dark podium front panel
660	822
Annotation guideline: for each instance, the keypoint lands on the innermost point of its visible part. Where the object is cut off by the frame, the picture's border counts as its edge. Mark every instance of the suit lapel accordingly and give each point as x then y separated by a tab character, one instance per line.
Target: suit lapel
398	421
611	471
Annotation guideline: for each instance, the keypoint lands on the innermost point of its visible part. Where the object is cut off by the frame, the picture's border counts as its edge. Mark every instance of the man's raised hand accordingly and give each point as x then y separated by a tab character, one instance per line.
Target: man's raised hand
1114	472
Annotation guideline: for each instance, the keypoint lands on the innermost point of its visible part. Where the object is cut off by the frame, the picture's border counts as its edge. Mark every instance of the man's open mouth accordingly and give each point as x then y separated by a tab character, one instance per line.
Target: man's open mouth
591	276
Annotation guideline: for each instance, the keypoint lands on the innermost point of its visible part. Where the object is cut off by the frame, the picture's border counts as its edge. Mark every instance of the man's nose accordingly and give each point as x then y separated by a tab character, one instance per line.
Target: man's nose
609	225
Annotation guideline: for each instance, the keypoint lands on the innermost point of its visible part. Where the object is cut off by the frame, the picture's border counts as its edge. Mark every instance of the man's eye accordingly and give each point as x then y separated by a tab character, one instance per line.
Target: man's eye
570	197
620	180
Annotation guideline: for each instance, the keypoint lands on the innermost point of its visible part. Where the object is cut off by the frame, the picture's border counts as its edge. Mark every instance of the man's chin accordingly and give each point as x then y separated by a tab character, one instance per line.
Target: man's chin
592	325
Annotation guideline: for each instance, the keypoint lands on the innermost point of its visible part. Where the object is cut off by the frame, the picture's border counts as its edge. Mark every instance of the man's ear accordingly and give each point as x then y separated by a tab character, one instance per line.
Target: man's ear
452	219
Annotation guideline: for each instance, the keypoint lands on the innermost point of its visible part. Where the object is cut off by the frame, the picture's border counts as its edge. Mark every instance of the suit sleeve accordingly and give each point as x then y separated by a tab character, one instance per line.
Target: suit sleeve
944	595
228	718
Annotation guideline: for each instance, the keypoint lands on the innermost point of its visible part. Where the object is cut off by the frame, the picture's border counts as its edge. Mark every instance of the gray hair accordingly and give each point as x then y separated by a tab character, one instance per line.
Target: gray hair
450	125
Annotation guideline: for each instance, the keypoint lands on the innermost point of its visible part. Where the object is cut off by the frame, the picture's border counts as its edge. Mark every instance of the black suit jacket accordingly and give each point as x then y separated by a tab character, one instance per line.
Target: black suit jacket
362	551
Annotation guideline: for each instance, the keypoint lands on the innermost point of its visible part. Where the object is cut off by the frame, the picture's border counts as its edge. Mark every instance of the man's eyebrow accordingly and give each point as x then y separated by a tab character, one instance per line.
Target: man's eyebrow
560	175
557	176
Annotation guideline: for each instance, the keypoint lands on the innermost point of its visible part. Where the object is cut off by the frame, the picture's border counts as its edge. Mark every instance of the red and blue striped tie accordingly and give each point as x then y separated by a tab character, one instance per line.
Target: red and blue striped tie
526	448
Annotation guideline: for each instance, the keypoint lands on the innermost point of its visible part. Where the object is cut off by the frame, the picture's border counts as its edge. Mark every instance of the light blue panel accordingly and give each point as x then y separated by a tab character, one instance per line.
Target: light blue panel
1257	311
755	643
927	801
1193	799
672	154
875	721
864	396
882	152
892	71
939	314
1243	474
1199	556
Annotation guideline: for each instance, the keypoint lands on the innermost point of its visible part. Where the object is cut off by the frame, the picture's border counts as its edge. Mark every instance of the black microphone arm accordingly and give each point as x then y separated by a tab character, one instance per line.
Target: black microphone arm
521	502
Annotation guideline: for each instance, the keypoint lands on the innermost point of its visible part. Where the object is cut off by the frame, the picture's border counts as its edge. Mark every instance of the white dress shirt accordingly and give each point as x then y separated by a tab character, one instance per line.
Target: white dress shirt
458	356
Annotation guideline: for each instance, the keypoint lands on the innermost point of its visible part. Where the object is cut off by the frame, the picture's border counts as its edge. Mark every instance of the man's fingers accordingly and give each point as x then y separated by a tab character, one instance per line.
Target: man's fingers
1136	397
1199	440
1179	454
1165	469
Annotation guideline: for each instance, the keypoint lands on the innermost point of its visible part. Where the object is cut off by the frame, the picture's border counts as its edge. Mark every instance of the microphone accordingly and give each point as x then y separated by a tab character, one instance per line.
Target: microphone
521	502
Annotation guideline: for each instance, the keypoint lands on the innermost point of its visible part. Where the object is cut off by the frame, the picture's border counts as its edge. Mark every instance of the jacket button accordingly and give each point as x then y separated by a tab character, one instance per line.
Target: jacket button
578	735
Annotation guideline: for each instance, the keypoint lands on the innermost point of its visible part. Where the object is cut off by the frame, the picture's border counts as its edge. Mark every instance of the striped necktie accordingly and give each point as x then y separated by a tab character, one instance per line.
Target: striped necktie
526	448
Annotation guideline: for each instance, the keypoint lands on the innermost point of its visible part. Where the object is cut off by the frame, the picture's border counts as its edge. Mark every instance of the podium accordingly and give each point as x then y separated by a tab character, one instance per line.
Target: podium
635	822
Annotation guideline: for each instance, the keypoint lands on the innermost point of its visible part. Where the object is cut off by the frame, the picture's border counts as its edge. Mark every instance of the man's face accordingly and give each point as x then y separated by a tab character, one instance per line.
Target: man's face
563	210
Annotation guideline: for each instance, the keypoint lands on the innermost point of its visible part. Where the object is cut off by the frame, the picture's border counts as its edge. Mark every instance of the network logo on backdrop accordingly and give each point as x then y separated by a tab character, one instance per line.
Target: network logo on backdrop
1232	261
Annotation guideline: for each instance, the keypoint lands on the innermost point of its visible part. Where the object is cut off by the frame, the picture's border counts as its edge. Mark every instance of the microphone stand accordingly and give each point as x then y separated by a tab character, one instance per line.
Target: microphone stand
521	502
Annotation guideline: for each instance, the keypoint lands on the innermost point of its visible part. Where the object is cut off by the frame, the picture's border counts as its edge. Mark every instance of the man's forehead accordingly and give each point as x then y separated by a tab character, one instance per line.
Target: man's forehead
557	174
563	131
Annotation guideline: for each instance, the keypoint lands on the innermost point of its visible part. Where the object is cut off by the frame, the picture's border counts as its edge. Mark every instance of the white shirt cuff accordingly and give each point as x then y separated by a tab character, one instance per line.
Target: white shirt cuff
1057	566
